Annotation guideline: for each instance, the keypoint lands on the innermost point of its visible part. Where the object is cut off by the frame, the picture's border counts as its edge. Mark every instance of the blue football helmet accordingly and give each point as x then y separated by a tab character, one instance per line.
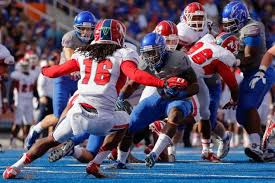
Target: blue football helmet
152	49
234	16
84	24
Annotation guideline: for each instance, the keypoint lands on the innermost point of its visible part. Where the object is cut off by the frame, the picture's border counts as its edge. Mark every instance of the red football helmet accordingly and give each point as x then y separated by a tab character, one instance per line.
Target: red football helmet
24	65
109	31
228	41
169	31
194	16
32	58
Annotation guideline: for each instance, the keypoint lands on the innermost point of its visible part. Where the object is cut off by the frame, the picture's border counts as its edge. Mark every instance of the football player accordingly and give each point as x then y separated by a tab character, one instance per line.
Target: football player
23	86
174	104
65	86
193	26
260	76
5	59
236	19
104	66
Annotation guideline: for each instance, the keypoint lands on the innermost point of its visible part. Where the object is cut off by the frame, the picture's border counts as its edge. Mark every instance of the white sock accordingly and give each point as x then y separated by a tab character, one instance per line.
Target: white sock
77	152
122	156
162	142
205	144
22	162
236	139
171	150
38	128
255	138
101	155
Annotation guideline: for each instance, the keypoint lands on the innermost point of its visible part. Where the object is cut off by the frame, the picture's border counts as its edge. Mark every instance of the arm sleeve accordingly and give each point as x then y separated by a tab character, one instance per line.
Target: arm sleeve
252	40
61	70
226	74
130	69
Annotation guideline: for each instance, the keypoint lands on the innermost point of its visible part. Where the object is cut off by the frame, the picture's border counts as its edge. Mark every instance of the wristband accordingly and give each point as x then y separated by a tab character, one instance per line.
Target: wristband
262	68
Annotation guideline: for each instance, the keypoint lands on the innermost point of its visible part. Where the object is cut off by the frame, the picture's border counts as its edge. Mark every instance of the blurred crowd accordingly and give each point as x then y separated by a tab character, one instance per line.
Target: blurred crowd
141	16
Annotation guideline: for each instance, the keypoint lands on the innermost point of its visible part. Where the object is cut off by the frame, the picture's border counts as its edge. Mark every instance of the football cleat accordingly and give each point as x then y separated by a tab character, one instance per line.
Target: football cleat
94	169
269	155
118	165
10	173
133	159
224	145
61	151
210	156
151	159
31	138
254	152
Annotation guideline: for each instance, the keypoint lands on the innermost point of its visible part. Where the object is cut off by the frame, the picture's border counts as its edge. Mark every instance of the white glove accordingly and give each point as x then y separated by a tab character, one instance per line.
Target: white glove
260	75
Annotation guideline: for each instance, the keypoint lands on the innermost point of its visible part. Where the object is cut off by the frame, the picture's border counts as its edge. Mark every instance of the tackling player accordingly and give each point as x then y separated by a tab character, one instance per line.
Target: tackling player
103	66
65	86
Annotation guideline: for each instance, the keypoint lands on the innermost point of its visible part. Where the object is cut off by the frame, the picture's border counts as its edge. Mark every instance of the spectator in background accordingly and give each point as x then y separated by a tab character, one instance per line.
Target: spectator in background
54	34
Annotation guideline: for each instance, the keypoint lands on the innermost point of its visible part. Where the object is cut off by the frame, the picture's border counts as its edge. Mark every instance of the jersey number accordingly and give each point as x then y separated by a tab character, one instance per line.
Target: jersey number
102	75
26	88
202	56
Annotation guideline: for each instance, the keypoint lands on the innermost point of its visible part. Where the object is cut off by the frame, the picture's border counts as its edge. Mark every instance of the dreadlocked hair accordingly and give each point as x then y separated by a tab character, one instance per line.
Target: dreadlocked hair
98	51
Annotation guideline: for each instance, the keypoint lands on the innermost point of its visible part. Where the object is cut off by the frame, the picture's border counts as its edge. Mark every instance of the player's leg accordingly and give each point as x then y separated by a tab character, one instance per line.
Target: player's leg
60	99
176	111
62	132
147	111
120	124
204	125
18	119
247	114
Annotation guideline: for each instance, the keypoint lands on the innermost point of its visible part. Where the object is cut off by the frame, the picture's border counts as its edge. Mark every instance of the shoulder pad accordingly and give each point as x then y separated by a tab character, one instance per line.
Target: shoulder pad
130	45
129	54
67	39
209	38
251	29
180	58
186	34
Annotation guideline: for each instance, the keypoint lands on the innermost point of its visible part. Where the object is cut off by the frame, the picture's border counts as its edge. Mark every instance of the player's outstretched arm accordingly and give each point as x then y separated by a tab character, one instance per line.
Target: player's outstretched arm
60	70
267	58
130	69
229	78
265	63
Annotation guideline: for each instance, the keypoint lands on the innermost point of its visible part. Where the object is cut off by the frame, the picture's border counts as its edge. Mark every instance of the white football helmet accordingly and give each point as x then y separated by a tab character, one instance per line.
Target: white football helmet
32	58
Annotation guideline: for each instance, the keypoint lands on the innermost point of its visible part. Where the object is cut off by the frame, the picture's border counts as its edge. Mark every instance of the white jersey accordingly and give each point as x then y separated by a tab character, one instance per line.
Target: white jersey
205	51
101	81
25	84
188	36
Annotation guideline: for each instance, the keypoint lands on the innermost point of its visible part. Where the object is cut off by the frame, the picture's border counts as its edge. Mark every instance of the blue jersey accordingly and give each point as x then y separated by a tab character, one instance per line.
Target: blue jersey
253	34
65	86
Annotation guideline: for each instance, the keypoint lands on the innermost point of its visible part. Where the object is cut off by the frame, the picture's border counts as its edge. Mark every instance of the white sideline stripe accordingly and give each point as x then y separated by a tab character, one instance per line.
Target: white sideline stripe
194	152
164	174
132	164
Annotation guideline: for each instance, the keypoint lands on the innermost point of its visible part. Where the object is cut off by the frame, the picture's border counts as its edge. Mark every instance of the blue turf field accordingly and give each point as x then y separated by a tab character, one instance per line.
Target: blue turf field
188	168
